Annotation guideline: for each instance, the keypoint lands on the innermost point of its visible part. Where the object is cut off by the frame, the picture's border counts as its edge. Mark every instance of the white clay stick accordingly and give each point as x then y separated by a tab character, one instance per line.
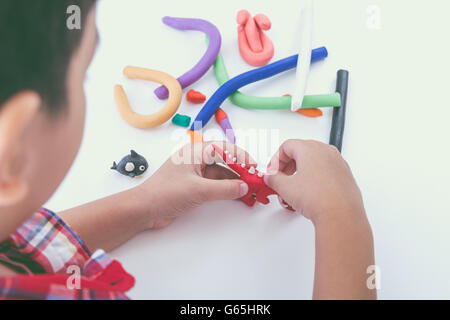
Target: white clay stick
304	54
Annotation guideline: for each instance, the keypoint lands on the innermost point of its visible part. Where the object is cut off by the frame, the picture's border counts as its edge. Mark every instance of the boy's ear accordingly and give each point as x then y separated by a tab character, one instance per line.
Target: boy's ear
16	116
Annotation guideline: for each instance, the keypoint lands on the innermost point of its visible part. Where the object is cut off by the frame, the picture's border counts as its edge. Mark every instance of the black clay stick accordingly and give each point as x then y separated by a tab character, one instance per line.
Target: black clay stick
338	122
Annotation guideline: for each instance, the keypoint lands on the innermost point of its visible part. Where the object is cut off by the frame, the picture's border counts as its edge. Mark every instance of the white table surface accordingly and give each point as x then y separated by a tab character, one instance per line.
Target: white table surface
396	141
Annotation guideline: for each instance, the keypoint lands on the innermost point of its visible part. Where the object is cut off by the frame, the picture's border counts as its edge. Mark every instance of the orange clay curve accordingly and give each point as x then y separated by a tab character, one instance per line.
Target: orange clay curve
148	121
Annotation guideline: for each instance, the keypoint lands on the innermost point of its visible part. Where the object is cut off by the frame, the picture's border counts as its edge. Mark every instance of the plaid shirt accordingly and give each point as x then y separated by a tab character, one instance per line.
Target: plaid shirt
54	263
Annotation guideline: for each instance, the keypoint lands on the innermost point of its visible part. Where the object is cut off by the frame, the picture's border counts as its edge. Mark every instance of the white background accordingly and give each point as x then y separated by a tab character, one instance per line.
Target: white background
396	141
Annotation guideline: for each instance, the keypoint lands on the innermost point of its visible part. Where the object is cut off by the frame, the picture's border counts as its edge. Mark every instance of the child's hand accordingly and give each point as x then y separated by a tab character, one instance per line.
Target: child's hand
314	179
188	179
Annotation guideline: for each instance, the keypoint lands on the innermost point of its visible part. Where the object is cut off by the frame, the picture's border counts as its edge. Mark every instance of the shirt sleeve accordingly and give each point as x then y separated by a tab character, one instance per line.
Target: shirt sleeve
46	239
42	287
59	264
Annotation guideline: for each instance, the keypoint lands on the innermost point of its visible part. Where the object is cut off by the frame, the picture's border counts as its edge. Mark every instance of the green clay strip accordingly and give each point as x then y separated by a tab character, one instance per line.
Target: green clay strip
267	103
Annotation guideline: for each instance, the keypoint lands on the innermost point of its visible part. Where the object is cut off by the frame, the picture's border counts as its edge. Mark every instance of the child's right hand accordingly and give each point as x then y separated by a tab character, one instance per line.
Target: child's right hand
314	179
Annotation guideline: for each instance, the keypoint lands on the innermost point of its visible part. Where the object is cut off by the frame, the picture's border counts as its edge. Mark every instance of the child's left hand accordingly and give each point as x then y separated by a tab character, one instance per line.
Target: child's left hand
189	178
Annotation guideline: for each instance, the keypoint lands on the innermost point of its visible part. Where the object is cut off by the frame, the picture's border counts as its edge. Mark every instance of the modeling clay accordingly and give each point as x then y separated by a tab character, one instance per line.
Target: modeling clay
266	103
195	96
131	165
338	122
248	77
312	113
255	47
148	121
257	189
181	120
224	122
304	60
208	58
196	136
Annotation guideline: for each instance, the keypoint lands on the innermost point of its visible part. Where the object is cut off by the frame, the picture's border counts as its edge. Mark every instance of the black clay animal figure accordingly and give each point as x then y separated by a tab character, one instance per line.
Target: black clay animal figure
131	165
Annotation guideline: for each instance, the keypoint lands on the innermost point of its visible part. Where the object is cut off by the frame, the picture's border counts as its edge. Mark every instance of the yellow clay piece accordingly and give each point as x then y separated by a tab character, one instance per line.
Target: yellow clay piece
148	121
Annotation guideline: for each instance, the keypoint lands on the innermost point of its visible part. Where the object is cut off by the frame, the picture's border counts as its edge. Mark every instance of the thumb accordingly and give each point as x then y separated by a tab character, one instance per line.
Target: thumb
226	189
279	182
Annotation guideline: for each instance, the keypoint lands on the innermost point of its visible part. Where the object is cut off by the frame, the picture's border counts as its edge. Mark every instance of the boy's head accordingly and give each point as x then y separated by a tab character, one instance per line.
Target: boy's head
42	104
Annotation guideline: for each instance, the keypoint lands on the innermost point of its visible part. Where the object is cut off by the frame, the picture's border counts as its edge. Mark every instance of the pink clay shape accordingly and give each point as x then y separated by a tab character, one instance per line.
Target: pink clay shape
255	47
262	21
242	17
252	33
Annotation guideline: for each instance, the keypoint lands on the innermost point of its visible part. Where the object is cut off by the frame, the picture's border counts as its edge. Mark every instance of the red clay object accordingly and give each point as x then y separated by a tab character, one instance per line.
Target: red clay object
220	115
257	189
195	96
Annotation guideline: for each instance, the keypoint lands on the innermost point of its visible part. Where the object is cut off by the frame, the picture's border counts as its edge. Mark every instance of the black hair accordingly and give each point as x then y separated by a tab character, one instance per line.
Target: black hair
36	47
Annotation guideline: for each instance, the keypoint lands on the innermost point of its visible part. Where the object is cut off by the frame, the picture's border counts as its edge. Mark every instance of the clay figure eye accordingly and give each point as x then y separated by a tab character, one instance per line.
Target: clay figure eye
142	168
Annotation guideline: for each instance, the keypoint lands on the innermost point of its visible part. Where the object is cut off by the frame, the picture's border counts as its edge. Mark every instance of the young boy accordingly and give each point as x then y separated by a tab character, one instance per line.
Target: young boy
41	124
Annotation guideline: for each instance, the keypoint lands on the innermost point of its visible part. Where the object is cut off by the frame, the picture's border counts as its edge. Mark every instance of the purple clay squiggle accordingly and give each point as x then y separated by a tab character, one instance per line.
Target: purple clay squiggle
208	58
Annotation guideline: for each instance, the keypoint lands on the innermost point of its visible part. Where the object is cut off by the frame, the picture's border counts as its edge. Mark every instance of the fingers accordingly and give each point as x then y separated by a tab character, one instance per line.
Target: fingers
285	186
227	189
287	153
289	168
203	154
278	182
281	168
240	155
